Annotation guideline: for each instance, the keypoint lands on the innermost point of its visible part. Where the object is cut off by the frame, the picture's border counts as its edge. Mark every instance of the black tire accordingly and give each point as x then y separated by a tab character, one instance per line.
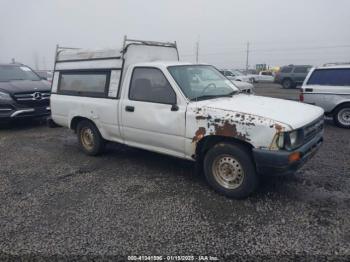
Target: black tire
341	116
287	83
242	156
86	129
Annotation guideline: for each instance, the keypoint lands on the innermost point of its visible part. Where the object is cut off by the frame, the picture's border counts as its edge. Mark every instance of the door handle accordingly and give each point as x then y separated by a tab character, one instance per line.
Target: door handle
129	108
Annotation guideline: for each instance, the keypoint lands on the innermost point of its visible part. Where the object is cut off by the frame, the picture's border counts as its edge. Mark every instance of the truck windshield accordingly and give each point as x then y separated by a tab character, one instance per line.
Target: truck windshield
199	82
11	73
238	73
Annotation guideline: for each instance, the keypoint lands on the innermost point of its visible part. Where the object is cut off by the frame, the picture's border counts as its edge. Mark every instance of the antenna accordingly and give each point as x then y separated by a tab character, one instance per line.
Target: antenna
197	50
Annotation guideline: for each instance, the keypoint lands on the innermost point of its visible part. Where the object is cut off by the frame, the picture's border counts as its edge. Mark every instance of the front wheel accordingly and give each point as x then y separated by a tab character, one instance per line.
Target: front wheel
89	138
342	116
230	170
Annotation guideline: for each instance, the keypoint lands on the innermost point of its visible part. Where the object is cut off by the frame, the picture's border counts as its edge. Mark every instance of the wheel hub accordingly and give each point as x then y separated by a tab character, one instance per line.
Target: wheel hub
228	172
344	116
87	138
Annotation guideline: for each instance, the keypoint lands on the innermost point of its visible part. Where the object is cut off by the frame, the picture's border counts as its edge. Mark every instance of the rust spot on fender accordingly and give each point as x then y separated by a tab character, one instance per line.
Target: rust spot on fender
230	130
278	128
199	134
201	117
226	129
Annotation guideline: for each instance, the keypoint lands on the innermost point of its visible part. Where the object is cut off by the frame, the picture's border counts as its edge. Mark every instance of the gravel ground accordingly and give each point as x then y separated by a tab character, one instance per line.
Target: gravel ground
54	200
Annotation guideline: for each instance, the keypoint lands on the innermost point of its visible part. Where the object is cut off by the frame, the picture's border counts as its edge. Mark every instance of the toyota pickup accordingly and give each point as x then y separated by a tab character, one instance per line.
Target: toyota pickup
144	97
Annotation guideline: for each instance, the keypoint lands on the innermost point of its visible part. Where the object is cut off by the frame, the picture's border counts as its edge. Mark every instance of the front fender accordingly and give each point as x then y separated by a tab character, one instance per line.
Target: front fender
257	131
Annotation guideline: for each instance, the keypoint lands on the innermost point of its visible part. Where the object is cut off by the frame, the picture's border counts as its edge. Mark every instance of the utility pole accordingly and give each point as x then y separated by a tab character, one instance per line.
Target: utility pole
44	63
197	51
247	62
36	61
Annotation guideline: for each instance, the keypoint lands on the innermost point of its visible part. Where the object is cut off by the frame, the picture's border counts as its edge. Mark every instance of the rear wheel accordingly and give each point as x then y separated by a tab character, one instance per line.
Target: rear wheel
230	170
287	83
341	116
89	138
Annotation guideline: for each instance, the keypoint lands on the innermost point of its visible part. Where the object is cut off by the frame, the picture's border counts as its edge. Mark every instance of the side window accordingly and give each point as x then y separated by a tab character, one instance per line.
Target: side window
84	83
114	83
150	85
330	77
287	69
301	69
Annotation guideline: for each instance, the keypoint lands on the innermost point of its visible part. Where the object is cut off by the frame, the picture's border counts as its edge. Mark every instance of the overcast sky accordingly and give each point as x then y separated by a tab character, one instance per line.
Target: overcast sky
279	31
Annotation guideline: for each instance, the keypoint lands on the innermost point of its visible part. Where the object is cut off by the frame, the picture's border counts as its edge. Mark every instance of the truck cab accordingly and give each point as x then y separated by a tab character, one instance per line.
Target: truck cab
185	110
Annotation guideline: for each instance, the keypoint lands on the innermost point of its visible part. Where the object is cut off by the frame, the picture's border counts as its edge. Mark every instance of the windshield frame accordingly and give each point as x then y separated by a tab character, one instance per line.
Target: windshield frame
19	66
235	90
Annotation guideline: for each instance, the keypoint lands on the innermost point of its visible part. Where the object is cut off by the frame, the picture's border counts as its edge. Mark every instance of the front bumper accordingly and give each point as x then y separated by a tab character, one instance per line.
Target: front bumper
269	162
11	113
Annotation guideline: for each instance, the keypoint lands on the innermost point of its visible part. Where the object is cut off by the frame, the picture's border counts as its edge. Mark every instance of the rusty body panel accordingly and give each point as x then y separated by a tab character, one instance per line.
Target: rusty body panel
203	120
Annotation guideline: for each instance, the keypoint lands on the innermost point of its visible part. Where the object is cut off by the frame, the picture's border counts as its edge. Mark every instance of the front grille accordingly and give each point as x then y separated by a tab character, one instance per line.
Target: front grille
33	99
310	131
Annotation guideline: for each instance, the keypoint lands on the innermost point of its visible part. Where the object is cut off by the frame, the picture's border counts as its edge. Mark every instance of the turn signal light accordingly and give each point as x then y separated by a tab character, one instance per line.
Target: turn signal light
294	157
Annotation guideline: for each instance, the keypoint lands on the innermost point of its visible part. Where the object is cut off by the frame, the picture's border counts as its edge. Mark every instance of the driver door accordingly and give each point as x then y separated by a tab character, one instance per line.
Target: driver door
151	116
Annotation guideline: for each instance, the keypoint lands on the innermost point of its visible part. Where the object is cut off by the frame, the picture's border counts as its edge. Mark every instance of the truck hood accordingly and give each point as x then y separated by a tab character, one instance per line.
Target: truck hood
22	86
291	113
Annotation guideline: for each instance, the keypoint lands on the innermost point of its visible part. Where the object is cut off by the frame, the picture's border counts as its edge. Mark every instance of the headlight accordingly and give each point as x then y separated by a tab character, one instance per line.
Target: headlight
290	140
294	139
5	96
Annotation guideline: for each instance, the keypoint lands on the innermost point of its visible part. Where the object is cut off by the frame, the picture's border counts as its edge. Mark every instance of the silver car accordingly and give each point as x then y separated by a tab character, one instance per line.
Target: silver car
328	86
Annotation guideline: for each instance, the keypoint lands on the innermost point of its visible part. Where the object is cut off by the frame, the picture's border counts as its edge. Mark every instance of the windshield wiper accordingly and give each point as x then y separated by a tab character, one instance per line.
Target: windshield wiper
203	97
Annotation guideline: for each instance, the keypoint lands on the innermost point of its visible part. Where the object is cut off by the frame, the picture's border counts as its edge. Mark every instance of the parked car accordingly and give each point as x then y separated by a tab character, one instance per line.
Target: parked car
23	94
254	77
189	111
235	75
244	86
292	75
264	77
329	87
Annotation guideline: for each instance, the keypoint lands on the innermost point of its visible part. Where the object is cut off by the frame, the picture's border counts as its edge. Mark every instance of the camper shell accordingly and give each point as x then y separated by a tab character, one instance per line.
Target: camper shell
116	60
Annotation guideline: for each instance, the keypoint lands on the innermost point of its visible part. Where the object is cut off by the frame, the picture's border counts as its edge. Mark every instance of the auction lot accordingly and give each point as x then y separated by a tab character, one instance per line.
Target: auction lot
54	200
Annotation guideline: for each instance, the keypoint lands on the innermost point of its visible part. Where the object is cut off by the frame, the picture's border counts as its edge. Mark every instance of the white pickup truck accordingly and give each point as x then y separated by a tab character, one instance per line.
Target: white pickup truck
189	111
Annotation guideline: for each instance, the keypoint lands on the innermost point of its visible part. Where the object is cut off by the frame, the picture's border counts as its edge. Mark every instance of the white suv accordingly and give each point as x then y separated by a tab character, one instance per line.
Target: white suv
329	87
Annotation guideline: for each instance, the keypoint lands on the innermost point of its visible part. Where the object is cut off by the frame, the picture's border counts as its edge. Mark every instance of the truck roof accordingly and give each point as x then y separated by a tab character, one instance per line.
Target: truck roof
334	66
87	54
165	63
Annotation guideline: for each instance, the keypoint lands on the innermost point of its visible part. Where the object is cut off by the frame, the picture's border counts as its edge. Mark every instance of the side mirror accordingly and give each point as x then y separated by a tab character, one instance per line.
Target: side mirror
174	107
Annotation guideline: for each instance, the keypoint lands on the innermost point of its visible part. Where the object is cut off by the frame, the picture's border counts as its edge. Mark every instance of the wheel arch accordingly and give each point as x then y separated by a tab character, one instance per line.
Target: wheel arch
209	141
287	78
75	121
345	103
